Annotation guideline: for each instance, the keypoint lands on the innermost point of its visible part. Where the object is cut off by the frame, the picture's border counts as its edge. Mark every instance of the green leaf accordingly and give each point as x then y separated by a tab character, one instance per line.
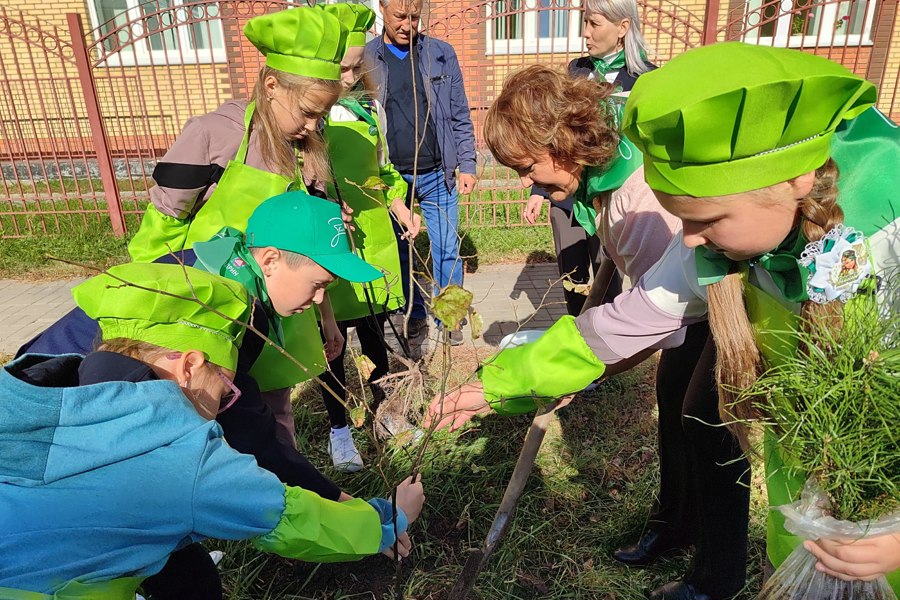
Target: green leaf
375	183
476	323
452	305
358	416
365	365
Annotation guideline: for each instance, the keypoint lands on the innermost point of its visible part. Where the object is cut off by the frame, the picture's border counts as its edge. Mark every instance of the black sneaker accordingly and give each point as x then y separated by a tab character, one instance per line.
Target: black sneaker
417	327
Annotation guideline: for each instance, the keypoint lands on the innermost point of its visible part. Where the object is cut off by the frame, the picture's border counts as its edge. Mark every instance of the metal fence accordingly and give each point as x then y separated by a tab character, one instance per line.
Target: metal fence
84	115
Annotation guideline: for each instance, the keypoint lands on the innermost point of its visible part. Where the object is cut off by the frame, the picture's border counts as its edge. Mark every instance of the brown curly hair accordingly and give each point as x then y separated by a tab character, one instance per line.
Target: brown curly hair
543	110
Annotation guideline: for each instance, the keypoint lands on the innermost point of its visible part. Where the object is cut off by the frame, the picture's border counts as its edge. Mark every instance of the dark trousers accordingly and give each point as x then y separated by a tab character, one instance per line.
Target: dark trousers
704	478
189	574
370	330
577	254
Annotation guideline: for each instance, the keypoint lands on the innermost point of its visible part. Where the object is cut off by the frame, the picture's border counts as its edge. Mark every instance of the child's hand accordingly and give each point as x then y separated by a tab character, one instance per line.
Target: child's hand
334	339
404	545
865	559
347	216
411	497
457	407
411	222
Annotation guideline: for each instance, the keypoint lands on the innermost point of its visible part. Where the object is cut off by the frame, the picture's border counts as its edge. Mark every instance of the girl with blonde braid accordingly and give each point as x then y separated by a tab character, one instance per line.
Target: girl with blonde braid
226	163
758	163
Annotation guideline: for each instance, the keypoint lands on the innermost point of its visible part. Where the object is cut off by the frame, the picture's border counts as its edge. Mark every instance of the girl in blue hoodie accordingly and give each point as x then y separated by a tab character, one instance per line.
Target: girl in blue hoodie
81	438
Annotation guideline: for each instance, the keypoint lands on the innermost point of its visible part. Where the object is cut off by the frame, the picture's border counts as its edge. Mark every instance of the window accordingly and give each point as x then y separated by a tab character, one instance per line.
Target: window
534	26
798	23
188	31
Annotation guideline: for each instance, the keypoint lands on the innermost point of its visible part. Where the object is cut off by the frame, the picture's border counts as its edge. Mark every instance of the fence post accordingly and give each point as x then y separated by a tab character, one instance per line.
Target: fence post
98	130
710	22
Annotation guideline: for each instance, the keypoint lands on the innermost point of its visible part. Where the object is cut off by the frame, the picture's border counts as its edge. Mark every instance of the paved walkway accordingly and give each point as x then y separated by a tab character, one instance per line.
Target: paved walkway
505	296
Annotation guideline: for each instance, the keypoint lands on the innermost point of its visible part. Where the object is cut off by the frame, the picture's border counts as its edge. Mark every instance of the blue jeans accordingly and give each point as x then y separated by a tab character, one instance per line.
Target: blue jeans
441	213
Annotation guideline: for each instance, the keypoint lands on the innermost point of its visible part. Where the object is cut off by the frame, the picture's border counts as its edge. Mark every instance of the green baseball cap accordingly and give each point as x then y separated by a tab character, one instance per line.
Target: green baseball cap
355	17
297	222
302	41
734	117
166	310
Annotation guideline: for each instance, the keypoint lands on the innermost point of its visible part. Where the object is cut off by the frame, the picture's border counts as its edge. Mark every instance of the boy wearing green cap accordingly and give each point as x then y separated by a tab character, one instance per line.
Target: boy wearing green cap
358	152
749	162
224	164
81	439
285	274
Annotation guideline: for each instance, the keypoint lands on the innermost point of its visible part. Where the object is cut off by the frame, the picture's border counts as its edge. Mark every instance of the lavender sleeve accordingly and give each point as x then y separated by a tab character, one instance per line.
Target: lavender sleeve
651	314
634	228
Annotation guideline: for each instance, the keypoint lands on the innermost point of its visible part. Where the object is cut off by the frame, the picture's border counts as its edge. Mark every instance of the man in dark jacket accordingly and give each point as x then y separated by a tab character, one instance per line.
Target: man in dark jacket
428	138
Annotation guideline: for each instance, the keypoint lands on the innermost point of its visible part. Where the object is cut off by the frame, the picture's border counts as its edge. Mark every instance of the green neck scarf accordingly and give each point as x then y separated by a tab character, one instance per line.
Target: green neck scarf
228	256
603	67
355	106
781	263
596	180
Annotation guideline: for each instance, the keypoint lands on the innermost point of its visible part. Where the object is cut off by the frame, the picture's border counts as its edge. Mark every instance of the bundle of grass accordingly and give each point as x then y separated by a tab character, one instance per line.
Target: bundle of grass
834	407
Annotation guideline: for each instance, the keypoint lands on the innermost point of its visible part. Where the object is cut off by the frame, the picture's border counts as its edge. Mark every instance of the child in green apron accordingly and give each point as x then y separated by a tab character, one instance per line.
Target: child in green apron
358	152
749	160
111	462
224	164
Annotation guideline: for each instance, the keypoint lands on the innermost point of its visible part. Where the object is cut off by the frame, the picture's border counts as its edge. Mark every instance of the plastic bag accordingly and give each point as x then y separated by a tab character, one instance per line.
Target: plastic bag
798	579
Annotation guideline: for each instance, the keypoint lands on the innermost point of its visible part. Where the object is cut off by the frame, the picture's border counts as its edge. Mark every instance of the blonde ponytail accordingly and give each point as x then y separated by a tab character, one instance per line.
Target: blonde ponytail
278	153
739	361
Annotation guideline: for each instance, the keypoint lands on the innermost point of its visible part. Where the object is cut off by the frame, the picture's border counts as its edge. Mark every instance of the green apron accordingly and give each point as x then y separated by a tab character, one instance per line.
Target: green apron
240	190
353	153
123	588
769	317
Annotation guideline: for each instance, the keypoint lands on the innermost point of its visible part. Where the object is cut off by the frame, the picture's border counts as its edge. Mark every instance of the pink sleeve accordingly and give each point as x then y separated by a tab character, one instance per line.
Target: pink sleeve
633	322
637	229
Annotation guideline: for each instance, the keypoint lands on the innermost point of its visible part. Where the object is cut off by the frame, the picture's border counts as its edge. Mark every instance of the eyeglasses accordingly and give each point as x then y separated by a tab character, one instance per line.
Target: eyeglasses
229	397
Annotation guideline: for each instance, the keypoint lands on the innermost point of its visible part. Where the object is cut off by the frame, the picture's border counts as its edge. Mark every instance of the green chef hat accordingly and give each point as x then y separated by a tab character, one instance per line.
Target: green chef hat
302	41
355	17
297	222
733	117
177	323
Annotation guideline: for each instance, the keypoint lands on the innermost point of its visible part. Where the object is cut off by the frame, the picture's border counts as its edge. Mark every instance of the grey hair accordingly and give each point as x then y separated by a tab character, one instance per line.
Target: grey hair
386	2
617	11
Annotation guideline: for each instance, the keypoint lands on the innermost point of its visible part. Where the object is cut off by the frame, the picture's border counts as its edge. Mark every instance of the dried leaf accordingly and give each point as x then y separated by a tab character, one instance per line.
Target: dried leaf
452	305
365	365
578	288
476	324
375	183
358	416
533	581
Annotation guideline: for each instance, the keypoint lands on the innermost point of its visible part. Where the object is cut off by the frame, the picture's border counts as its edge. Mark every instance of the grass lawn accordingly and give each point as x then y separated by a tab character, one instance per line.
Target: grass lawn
591	490
593	483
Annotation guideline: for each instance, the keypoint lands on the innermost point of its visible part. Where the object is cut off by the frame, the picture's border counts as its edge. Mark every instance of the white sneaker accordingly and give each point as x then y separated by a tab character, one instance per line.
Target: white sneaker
343	451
